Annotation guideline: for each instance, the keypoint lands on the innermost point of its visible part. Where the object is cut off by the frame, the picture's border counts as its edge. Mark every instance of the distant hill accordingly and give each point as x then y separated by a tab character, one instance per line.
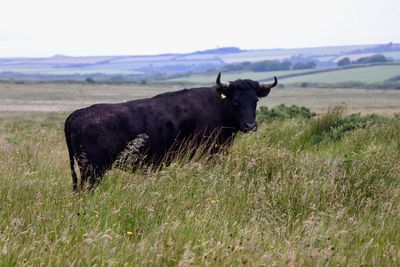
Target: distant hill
222	50
177	64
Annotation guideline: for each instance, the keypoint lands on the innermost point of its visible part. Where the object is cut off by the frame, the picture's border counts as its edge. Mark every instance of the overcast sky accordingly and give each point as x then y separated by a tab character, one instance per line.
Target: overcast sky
121	27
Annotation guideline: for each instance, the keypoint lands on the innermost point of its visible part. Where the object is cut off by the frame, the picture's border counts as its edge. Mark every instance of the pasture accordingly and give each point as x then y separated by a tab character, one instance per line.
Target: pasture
296	192
367	74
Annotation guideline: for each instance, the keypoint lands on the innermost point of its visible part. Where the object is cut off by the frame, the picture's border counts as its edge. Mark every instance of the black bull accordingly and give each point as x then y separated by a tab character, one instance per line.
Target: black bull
96	135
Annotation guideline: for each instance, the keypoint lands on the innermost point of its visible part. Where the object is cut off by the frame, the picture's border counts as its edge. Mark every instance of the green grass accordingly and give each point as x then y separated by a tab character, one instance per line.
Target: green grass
363	74
276	197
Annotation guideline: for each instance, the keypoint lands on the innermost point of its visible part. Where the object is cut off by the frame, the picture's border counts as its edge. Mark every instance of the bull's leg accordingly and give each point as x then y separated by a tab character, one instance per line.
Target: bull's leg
91	173
96	176
84	167
91	170
85	176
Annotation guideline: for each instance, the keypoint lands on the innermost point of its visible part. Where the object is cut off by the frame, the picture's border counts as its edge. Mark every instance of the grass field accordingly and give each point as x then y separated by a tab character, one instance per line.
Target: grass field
364	74
67	97
296	192
292	193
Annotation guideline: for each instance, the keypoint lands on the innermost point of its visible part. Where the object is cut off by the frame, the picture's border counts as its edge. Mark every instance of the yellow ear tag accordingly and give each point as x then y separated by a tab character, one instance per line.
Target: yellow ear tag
222	96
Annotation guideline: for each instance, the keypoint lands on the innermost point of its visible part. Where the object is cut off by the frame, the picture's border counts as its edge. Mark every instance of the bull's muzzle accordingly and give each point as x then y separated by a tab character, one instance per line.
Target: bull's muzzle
249	127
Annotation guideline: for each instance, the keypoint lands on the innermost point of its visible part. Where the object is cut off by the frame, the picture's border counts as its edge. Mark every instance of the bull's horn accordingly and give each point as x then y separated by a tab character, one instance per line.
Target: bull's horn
221	84
269	85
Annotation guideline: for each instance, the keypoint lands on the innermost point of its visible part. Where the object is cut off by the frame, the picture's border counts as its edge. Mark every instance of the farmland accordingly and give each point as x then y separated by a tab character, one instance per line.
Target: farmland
143	66
363	74
367	74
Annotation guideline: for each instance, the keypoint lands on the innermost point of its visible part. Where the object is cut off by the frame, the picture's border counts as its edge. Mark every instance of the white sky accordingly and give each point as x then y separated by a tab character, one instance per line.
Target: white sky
121	27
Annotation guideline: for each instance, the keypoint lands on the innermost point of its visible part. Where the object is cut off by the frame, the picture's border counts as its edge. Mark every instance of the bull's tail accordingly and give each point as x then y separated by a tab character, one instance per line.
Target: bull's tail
71	153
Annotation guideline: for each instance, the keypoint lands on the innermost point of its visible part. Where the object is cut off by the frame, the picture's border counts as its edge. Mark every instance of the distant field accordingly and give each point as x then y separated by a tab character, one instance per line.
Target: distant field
66	71
393	55
256	55
67	97
364	74
207	78
177	63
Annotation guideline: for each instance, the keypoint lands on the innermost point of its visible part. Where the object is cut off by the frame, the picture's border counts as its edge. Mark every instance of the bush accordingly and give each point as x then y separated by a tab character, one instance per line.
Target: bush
270	65
388	84
384	85
344	61
334	125
265	65
90	80
238	66
371	59
394	79
304	65
283	112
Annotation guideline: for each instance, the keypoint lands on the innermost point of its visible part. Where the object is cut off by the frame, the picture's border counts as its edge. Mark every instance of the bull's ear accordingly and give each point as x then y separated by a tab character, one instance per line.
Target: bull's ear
265	88
222	87
222	92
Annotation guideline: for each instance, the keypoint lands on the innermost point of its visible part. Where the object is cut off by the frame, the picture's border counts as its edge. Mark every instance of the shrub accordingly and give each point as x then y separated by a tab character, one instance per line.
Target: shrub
282	112
265	65
388	84
344	61
334	125
394	79
371	59
90	80
384	85
304	65
270	65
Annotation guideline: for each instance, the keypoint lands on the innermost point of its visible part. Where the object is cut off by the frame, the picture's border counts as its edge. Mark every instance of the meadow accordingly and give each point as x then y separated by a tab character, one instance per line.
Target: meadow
297	192
300	191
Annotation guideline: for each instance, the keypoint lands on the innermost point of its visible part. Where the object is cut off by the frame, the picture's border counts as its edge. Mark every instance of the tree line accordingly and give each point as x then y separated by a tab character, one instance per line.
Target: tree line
269	65
378	58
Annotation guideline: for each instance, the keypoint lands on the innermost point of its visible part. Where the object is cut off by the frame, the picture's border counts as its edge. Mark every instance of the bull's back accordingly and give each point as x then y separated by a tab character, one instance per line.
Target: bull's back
102	131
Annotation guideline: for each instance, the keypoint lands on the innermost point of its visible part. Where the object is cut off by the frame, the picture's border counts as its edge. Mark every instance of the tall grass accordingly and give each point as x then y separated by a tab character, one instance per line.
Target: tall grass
278	196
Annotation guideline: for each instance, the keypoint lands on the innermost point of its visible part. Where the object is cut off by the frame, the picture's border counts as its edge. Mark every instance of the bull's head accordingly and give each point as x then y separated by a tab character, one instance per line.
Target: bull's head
241	98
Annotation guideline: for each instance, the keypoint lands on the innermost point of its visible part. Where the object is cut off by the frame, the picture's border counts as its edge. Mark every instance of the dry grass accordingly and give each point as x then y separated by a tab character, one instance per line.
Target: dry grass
274	198
67	97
